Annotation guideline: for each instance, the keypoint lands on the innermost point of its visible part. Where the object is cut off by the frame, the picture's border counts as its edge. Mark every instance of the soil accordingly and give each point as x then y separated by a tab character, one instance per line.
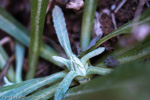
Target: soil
20	9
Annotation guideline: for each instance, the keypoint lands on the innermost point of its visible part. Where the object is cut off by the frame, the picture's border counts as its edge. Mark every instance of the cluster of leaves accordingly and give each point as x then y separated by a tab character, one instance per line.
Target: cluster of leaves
117	83
76	66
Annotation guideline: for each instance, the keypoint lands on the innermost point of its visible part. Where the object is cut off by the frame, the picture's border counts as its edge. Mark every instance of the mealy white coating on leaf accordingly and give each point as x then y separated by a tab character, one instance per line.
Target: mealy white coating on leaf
61	30
64	85
29	86
98	70
91	54
62	60
7	81
76	65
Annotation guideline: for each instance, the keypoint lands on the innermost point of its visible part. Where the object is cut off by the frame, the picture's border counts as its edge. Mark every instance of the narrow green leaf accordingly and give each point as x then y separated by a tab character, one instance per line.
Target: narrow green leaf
7	88
24	88
3	60
91	54
87	22
19	52
98	70
139	52
61	30
128	82
64	85
38	13
62	60
124	29
15	29
43	94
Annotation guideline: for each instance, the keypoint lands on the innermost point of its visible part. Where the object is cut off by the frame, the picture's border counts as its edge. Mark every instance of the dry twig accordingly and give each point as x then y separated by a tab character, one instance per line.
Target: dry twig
9	62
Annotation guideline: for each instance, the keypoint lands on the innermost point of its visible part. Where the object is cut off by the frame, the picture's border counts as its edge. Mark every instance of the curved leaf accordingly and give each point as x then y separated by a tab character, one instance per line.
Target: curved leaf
91	54
61	30
62	60
22	89
64	85
98	70
19	52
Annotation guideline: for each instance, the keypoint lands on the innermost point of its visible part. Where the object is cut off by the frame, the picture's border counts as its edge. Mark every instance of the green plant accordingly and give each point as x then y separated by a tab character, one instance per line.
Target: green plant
20	52
38	12
76	66
15	29
121	81
87	23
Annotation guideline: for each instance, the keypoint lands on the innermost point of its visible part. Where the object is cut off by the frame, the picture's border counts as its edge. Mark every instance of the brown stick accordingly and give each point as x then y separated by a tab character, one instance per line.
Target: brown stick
9	62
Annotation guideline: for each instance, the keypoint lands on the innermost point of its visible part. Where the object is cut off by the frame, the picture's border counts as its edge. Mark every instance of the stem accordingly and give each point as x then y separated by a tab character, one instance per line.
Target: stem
87	23
19	52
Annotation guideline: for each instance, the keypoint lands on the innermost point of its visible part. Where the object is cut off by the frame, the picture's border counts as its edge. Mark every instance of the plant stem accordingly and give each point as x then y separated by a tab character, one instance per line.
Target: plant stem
87	23
38	12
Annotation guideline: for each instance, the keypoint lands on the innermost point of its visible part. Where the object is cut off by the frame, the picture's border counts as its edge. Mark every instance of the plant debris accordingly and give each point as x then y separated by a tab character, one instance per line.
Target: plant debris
75	4
111	62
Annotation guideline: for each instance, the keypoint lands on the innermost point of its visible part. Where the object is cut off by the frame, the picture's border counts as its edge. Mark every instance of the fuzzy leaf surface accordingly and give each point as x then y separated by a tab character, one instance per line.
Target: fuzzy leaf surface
61	30
24	88
64	85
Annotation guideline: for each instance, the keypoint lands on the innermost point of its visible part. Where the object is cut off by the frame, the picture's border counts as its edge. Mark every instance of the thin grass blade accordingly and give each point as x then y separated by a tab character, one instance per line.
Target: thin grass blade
87	22
38	13
15	29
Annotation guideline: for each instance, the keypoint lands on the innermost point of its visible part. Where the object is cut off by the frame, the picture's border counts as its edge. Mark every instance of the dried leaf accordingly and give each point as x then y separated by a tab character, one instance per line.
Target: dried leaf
75	4
111	62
